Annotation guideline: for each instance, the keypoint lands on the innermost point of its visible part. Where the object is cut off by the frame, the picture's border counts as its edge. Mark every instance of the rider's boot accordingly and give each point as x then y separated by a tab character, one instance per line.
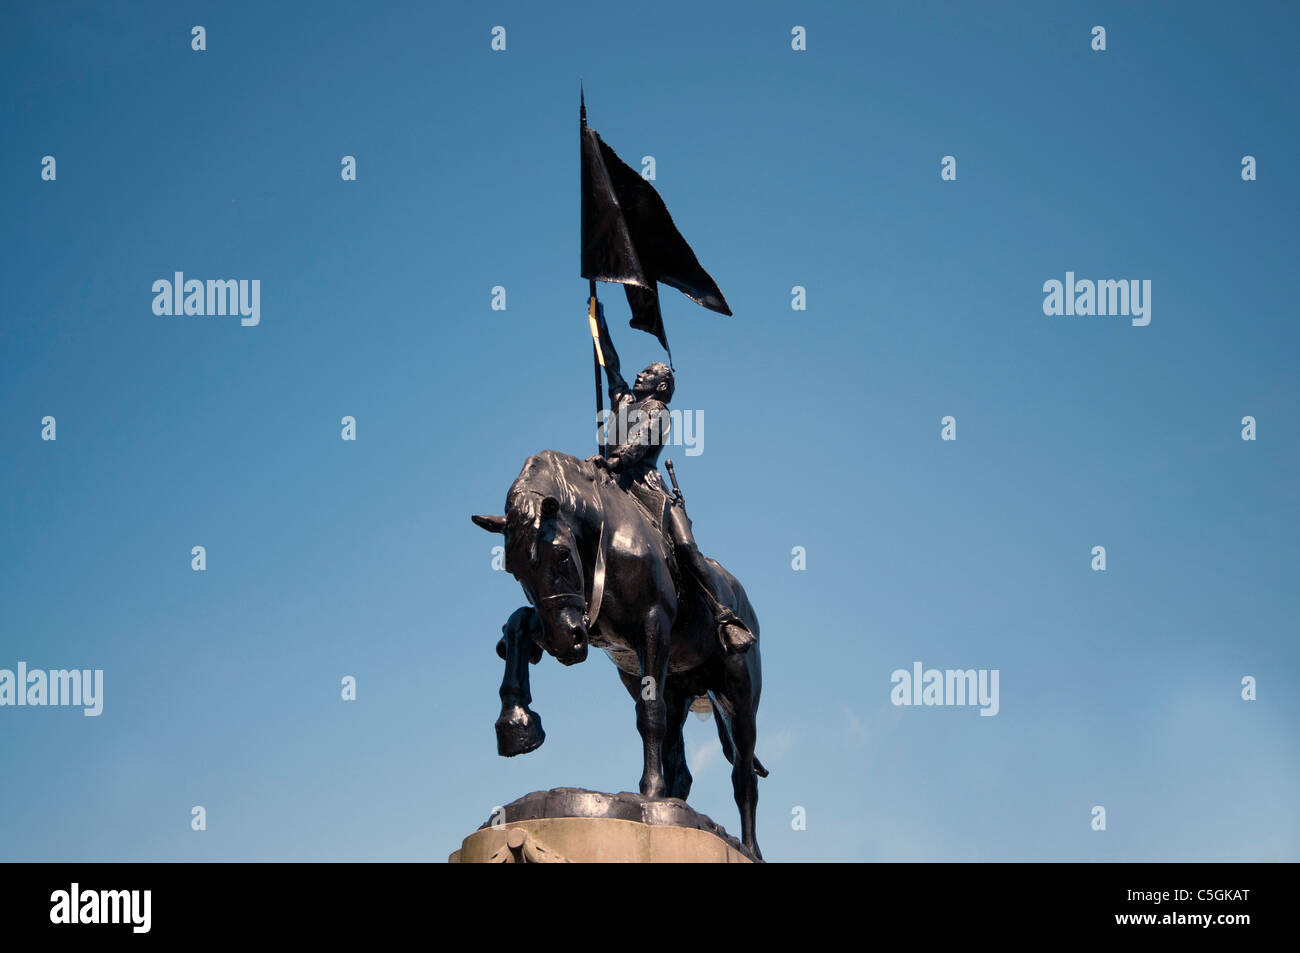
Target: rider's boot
732	633
735	635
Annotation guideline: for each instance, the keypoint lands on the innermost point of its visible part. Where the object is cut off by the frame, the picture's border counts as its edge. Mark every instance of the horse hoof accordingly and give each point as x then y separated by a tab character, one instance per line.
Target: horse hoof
656	790
519	732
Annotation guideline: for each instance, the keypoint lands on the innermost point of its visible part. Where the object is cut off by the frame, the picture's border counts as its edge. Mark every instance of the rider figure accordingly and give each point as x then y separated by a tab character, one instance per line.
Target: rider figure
639	426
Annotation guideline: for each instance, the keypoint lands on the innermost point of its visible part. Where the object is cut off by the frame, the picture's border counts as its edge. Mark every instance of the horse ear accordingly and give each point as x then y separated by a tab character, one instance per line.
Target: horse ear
493	524
550	506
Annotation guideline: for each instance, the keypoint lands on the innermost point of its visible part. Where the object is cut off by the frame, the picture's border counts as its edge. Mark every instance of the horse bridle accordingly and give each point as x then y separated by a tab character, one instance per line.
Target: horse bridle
576	599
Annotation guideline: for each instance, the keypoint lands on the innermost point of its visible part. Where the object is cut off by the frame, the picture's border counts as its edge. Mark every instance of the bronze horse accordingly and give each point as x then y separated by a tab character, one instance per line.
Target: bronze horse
599	571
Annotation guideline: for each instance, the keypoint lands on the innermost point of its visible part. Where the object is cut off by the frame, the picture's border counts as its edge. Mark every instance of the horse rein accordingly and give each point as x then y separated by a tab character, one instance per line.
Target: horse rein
577	599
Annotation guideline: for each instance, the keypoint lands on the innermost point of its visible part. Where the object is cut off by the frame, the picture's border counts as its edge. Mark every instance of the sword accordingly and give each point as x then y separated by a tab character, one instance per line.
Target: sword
677	491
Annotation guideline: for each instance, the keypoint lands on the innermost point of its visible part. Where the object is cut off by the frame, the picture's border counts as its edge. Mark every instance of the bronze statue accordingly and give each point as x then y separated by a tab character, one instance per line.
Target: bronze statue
599	545
599	571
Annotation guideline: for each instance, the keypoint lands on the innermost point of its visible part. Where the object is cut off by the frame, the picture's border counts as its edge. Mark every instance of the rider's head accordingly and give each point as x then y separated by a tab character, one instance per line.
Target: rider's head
657	381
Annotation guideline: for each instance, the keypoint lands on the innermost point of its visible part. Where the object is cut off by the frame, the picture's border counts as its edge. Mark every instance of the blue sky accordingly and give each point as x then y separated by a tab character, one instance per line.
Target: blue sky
819	168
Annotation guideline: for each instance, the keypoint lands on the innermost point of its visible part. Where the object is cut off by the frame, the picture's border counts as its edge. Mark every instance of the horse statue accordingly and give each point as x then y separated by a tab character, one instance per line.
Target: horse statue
600	572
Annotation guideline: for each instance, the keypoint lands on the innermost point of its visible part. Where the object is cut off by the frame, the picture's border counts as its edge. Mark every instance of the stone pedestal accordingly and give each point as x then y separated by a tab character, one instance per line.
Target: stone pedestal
572	825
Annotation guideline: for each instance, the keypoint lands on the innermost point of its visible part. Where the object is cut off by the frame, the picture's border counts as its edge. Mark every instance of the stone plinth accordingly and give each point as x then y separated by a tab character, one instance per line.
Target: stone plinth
572	825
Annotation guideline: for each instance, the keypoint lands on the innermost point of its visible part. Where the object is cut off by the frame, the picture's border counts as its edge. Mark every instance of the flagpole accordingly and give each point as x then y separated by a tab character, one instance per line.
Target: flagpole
597	359
593	306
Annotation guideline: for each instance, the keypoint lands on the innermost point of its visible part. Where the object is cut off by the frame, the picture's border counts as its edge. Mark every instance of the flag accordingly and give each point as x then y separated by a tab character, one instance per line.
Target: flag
629	237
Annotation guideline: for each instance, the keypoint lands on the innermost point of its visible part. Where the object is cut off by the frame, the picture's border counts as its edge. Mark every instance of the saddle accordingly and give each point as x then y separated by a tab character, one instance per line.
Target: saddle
648	489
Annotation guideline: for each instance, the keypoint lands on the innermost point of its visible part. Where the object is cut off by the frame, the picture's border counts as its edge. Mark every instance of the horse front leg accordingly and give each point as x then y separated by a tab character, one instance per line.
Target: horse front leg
677	774
519	728
651	706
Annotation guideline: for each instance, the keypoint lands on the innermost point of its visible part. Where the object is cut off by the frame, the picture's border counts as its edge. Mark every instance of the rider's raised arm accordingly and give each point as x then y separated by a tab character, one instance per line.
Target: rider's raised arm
618	389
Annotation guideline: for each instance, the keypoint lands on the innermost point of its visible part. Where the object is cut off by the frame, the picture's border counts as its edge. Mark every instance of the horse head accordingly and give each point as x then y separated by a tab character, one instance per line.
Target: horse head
542	553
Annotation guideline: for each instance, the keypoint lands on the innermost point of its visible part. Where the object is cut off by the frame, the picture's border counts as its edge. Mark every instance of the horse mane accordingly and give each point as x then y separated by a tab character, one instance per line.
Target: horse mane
549	473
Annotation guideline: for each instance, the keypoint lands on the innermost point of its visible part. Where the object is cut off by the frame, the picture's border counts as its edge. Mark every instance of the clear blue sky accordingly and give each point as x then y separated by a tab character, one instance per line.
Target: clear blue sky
817	168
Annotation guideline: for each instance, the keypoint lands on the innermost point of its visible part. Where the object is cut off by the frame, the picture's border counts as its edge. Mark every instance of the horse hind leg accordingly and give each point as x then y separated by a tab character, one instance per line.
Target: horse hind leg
744	781
744	734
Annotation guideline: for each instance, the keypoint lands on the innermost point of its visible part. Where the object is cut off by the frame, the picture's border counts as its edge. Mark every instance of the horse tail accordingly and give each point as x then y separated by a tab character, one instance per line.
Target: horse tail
724	738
